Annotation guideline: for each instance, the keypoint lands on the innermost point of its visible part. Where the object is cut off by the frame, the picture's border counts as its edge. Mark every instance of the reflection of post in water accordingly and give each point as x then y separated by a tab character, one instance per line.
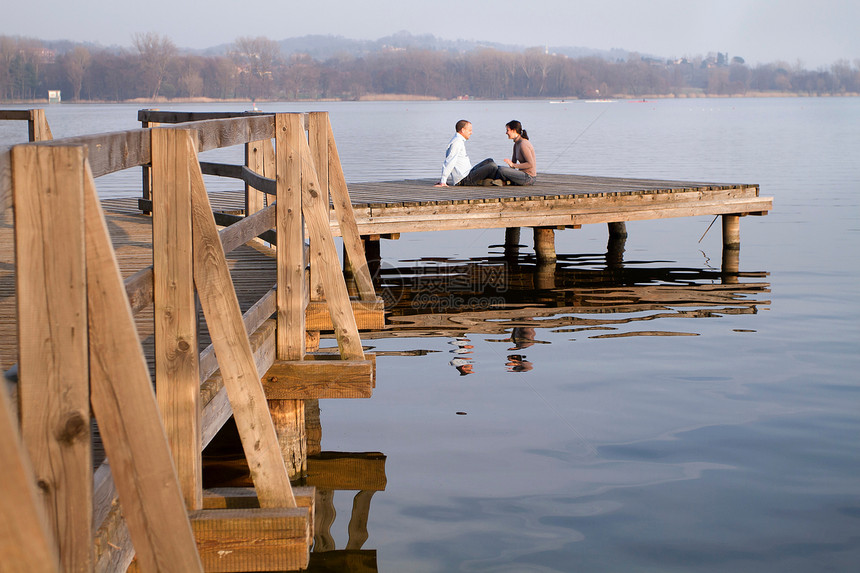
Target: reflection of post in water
332	471
730	266
545	275
584	295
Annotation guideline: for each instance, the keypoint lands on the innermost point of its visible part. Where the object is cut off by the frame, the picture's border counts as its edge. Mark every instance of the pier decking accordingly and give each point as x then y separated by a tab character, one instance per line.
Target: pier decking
555	200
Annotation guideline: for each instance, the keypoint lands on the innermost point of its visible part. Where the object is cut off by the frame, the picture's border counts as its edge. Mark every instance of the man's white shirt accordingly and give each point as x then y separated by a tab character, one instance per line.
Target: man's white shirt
456	162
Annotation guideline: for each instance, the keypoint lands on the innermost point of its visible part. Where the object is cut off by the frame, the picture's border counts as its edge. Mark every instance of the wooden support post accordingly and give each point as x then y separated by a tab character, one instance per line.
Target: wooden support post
313	427
615	245
291	293
618	229
177	378
288	416
731	232
126	409
235	357
512	242
545	243
48	187
26	543
373	254
38	126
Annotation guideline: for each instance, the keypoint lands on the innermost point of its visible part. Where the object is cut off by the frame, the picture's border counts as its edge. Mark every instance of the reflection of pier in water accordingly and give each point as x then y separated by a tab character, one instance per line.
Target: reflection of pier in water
227	474
440	297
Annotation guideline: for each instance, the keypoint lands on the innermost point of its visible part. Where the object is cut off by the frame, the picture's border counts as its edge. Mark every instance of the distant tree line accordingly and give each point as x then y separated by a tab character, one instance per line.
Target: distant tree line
255	68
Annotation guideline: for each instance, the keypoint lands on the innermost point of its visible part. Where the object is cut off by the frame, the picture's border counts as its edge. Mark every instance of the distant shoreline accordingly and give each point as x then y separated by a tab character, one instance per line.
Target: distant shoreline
407	97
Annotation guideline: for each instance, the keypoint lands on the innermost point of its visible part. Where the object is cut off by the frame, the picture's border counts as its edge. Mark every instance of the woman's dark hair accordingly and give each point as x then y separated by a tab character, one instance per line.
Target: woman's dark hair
518	127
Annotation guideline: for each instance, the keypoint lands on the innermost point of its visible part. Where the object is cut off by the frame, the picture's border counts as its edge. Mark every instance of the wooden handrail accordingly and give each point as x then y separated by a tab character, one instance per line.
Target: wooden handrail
252	178
174	151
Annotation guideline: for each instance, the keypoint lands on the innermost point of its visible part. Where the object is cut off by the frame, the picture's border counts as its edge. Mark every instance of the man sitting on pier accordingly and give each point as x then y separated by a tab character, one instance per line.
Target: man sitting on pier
457	164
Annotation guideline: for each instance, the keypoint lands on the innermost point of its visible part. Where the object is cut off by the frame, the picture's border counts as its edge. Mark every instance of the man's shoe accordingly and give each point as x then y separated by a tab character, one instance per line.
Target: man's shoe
498	182
486	182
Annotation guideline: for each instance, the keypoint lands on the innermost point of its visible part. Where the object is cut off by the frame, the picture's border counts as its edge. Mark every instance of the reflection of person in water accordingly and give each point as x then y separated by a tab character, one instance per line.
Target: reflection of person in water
461	361
522	337
518	363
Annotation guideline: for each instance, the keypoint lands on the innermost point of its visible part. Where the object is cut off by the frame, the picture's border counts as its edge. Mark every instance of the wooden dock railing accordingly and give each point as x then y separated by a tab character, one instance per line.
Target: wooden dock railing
78	346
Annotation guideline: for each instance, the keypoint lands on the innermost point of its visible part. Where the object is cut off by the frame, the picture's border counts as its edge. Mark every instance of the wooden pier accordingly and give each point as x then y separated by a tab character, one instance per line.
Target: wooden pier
555	202
165	327
386	209
99	315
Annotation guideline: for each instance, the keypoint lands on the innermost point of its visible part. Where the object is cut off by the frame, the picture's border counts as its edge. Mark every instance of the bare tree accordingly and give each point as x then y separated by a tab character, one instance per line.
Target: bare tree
257	60
75	64
156	53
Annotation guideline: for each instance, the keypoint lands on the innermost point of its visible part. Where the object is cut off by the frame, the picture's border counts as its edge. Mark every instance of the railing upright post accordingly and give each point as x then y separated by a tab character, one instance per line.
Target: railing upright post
52	346
38	126
291	264
177	377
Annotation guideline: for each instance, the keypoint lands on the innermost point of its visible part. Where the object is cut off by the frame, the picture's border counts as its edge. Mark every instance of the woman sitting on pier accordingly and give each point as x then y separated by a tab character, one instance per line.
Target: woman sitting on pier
522	167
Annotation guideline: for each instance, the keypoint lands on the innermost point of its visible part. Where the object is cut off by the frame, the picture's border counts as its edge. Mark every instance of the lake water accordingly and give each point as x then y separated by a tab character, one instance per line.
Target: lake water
662	417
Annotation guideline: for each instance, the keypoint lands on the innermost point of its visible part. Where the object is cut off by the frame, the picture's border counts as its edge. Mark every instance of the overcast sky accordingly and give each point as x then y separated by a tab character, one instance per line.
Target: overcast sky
814	32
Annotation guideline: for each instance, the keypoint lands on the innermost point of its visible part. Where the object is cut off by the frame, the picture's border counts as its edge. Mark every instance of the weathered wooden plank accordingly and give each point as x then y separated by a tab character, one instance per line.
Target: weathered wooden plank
291	262
15	114
213	394
224	318
317	379
353	245
127	412
562	216
26	542
246	497
345	328
217	133
253	319
110	152
38	126
53	385
369	315
248	228
5	179
318	143
177	378
267	539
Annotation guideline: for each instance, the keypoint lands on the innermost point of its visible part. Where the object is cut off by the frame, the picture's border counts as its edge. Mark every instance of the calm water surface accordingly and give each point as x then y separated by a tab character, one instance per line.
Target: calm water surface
660	417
